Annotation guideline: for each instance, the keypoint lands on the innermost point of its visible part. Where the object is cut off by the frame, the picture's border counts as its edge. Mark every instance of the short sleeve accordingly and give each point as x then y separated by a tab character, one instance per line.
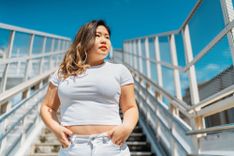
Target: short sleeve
54	78
125	76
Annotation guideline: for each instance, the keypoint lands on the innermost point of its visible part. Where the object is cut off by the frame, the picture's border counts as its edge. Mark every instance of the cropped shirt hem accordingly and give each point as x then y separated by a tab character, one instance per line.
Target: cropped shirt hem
90	123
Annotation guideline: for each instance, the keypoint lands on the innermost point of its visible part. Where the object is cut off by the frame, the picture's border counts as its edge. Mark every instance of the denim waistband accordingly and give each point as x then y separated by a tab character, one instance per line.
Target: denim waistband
88	138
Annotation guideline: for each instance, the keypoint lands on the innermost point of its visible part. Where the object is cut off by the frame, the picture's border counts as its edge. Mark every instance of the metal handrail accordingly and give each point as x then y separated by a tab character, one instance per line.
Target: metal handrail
201	53
196	6
211	44
211	129
25	58
22	117
175	120
19	88
182	105
166	64
184	127
20	104
174	31
154	35
189	111
213	98
30	31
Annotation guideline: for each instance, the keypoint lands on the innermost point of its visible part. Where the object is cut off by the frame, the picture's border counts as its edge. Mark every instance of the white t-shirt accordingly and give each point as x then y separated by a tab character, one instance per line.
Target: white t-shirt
92	98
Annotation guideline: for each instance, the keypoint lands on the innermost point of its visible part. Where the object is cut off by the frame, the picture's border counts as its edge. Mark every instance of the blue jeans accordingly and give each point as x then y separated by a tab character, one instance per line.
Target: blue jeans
93	145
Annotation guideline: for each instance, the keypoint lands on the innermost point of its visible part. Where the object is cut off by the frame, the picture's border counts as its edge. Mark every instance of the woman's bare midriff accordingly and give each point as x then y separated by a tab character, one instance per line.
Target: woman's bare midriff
90	129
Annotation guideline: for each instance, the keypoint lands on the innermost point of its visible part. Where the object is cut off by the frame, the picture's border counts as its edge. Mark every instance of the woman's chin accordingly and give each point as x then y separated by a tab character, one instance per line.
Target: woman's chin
104	54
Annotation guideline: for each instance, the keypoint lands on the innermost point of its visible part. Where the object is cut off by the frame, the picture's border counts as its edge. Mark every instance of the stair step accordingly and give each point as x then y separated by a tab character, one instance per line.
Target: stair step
48	138
142	154
137	130
47	144
44	154
46	148
138	146
137	137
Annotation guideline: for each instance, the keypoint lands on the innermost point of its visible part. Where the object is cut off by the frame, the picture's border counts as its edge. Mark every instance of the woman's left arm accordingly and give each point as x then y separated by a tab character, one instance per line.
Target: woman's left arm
130	115
129	107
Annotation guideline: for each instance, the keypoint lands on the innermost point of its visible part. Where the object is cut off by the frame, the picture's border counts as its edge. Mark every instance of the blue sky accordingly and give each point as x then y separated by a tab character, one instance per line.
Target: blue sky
126	18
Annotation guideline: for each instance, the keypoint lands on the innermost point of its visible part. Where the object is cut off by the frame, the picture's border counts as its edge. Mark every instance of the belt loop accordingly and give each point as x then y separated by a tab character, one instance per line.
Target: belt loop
91	144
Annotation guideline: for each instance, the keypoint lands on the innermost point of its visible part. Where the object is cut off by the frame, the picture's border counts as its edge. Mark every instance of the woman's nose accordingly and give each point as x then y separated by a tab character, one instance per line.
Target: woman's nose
103	40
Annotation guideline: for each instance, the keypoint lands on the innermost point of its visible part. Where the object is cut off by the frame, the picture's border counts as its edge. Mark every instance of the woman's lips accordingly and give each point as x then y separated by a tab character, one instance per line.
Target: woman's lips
103	47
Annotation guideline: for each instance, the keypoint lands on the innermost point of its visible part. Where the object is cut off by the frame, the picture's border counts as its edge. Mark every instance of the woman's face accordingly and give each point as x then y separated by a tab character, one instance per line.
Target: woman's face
102	44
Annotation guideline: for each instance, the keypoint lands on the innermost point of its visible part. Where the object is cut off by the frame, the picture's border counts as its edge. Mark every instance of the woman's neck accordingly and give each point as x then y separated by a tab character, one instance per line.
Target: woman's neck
95	63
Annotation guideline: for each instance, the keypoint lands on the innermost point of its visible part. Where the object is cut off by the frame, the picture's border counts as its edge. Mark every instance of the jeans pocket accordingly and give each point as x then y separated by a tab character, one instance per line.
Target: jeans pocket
65	148
114	145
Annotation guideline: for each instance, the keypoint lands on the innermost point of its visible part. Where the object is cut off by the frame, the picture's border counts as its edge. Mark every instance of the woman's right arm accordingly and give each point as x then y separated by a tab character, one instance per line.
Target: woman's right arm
48	113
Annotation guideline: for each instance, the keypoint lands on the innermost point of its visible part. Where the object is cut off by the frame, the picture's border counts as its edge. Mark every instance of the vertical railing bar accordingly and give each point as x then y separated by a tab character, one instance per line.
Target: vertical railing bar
135	54
147	58
29	61
193	83
43	51
130	54
175	63
140	56
8	55
51	51
192	72
228	15
158	65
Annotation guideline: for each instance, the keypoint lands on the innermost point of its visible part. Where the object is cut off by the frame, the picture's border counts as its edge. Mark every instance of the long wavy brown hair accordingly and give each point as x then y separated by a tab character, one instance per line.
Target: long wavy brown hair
74	60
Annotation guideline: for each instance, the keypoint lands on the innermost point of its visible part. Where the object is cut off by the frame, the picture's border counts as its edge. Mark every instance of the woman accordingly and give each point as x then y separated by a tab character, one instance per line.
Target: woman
90	92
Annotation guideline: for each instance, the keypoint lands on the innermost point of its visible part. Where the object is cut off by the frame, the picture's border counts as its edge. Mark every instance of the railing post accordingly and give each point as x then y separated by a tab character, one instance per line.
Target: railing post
59	49
18	63
25	95
43	52
125	58
196	123
28	68
135	54
63	45
59	45
140	56
8	55
191	71
173	109
4	141
228	14
51	54
175	63
158	65
147	57
130	53
124	52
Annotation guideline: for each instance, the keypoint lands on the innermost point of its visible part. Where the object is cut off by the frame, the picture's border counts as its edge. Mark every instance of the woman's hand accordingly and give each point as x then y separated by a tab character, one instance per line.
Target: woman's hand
119	134
62	134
